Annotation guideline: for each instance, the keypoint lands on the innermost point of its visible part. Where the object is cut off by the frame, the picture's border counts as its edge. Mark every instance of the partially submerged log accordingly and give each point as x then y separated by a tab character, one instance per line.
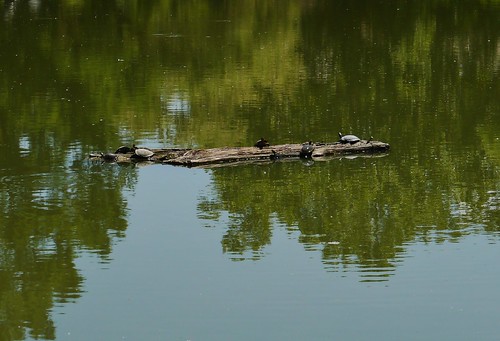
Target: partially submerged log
214	156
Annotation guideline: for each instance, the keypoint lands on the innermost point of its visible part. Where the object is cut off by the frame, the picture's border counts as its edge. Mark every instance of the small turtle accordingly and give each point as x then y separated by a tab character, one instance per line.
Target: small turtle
352	139
307	150
261	143
124	150
142	153
109	157
369	140
275	156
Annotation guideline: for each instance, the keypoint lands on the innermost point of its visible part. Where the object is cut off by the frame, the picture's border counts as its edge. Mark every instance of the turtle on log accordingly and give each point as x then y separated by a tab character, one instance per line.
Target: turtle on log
142	153
109	157
352	139
125	149
307	150
261	143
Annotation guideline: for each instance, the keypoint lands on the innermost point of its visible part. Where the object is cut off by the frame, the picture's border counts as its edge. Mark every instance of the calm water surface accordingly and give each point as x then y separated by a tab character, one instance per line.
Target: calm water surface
403	245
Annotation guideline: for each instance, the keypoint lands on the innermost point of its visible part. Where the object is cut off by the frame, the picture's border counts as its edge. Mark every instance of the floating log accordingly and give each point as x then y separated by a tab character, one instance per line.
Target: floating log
213	156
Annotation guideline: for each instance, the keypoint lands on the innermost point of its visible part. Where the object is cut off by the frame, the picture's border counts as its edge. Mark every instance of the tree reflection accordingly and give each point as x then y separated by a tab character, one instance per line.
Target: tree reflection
47	221
360	212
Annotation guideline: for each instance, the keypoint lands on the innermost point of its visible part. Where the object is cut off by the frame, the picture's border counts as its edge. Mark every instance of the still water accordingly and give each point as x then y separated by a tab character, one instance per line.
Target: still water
403	245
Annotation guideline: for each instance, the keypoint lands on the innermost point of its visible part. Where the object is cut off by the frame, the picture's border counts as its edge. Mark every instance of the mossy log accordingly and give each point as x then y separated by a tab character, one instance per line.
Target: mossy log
223	155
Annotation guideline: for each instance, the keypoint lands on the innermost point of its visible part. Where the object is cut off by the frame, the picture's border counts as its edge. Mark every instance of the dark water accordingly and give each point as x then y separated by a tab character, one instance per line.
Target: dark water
402	245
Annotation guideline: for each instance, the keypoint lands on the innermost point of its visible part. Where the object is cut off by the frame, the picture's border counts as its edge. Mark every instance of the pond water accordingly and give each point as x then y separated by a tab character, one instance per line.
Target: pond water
400	245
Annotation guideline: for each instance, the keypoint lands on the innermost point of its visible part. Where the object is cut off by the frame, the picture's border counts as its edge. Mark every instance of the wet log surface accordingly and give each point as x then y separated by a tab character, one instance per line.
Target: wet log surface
231	155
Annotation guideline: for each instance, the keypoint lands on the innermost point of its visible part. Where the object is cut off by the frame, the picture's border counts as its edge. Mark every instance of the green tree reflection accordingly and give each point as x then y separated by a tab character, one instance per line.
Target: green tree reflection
47	220
360	211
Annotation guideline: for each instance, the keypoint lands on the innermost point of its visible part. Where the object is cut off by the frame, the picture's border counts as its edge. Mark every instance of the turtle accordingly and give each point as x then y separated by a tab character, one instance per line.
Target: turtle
261	143
275	156
124	150
352	139
110	157
307	150
142	153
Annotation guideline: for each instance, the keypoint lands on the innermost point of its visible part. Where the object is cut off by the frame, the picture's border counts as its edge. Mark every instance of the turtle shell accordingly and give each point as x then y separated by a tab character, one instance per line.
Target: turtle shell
110	157
261	143
348	138
143	153
307	150
124	150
